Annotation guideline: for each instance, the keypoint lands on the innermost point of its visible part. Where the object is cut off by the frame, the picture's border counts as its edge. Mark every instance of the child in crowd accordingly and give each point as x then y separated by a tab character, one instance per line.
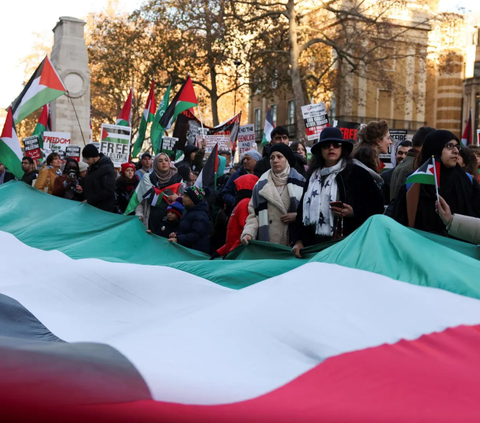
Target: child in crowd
194	227
172	219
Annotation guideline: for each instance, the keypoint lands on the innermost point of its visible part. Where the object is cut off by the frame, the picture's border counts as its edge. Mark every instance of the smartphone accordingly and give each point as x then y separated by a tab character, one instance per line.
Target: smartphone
338	204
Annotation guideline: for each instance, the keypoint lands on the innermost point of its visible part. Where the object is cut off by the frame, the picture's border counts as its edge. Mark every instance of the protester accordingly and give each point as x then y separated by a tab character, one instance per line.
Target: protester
367	158
401	172
375	135
66	185
165	178
468	162
172	219
244	185
476	151
125	186
273	207
188	177
402	149
46	177
339	195
193	157
300	153
249	159
458	226
194	228
146	163
228	157
29	172
461	192
99	185
278	135
82	168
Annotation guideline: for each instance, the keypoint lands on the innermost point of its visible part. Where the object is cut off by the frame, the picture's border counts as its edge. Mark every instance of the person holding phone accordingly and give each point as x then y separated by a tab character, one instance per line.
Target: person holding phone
339	195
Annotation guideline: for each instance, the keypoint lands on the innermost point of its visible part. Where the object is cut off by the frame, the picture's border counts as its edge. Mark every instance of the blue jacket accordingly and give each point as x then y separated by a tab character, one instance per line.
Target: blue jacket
230	191
194	229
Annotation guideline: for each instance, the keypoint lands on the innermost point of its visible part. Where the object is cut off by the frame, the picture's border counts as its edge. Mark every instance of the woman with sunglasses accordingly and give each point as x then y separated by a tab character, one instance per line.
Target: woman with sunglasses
339	195
460	190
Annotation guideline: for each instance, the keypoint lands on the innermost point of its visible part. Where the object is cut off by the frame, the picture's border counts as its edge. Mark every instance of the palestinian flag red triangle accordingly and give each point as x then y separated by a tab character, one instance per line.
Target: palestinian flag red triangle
104	134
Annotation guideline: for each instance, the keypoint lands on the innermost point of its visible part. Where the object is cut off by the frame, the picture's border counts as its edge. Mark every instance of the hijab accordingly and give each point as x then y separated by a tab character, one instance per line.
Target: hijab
163	176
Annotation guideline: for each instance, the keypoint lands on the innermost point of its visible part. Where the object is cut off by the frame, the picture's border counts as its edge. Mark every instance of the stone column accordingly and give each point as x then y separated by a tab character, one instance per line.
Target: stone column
71	112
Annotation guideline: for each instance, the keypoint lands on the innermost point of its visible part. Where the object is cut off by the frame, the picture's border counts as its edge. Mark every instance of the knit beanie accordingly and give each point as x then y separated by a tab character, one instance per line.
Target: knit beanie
176	208
90	151
125	166
286	151
82	167
254	154
196	194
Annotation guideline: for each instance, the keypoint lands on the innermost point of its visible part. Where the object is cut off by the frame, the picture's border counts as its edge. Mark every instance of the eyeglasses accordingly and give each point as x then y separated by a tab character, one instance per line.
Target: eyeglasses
335	144
452	145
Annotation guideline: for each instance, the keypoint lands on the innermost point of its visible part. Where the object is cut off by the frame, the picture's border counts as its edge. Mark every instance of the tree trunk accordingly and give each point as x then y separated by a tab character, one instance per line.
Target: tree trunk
295	70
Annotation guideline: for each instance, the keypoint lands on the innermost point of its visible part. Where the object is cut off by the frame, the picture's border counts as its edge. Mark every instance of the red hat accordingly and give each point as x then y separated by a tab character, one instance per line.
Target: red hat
125	166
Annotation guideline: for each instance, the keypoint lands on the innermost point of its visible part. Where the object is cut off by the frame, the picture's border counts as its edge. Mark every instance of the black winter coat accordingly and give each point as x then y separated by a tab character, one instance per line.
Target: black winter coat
99	187
194	229
357	189
124	190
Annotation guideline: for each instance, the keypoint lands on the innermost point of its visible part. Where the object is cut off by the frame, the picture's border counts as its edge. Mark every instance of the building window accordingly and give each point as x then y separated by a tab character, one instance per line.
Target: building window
273	109
258	119
291	112
476	70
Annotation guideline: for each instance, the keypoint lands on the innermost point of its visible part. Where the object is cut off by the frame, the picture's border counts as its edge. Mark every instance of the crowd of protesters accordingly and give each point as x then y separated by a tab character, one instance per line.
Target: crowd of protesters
279	196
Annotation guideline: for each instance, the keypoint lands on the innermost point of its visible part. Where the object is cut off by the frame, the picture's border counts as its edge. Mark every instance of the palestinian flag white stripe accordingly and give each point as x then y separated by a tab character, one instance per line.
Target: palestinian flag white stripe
195	342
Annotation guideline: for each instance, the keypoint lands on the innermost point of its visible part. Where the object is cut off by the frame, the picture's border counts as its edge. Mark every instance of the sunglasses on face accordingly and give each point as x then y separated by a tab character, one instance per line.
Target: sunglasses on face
452	145
335	144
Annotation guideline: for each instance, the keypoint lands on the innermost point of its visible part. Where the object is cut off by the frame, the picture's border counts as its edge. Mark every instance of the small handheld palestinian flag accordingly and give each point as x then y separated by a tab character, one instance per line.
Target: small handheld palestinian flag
428	173
157	195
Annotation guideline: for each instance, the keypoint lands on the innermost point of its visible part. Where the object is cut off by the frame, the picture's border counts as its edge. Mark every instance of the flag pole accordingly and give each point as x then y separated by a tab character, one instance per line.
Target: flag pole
435	176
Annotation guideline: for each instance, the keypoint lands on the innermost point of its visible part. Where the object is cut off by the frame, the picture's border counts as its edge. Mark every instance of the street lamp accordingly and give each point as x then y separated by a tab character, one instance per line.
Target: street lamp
237	63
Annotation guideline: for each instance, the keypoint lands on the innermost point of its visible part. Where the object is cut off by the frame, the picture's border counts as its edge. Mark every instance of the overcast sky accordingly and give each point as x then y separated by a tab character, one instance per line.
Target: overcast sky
22	19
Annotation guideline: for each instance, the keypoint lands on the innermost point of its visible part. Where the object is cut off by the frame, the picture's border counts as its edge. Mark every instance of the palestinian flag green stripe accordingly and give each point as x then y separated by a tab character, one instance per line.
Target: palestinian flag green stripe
421	178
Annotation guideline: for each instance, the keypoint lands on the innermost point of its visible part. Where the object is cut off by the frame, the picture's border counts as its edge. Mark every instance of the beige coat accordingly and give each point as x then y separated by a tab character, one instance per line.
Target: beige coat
465	228
276	207
46	177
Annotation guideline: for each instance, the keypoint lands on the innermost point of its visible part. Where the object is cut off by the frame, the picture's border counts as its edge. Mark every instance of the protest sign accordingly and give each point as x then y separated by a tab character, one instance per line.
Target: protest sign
478	138
56	142
230	128
32	147
169	145
246	138
349	129
73	151
115	143
316	119
223	142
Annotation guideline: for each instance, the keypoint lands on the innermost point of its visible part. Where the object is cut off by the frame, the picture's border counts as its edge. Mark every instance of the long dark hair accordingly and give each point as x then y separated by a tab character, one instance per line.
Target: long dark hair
317	161
368	156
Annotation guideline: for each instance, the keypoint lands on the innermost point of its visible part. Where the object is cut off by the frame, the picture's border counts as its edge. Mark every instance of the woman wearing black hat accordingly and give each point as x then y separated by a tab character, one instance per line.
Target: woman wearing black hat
460	191
275	198
339	195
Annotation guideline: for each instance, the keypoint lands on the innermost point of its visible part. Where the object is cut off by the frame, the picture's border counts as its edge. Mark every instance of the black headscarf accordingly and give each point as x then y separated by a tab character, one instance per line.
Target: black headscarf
461	192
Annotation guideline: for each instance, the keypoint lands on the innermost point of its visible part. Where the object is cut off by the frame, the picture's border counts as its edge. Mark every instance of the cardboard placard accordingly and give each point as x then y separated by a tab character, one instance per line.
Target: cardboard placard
56	142
223	142
32	147
316	119
115	143
73	151
246	138
349	129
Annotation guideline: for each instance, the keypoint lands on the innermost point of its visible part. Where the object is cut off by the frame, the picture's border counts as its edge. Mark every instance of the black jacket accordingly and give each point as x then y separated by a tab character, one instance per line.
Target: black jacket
8	177
124	190
29	177
357	189
99	187
387	178
300	163
194	229
197	164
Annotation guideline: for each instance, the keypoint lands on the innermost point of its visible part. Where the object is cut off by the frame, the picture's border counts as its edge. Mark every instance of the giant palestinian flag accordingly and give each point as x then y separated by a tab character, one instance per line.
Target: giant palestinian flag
43	87
103	322
10	150
184	100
